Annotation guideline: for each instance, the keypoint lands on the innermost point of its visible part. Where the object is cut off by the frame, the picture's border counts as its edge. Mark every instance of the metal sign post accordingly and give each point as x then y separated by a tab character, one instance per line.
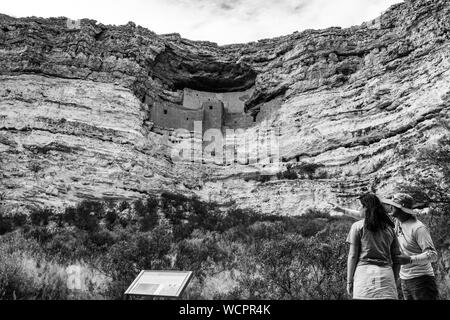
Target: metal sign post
160	284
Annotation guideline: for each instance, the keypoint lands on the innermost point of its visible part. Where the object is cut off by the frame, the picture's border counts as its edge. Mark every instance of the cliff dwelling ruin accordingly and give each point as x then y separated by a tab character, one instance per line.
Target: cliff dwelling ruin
222	111
215	111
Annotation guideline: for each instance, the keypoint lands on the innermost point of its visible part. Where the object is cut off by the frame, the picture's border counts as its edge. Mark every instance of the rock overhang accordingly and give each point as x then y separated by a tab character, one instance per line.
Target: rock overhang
179	69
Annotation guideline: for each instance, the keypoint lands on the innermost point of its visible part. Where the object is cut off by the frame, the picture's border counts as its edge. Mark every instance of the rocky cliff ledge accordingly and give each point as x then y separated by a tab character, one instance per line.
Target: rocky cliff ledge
74	107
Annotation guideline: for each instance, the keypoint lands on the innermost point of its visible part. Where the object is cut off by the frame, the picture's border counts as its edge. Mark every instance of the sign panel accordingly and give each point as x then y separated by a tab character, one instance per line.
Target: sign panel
169	284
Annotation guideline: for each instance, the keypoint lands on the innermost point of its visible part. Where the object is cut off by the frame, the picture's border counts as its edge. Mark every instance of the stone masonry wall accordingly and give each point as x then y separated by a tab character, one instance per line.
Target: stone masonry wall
212	115
233	102
173	117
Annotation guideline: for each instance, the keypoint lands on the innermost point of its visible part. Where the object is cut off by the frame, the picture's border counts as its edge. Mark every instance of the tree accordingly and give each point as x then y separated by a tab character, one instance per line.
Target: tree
136	251
199	253
147	213
40	217
85	215
308	169
294	268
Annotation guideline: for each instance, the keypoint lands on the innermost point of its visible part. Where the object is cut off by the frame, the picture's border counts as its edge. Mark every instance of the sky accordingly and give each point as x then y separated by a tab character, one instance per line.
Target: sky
220	21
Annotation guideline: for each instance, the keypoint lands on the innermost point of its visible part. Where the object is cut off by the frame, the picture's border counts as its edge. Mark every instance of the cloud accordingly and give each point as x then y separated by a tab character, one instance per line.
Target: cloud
221	21
231	21
226	6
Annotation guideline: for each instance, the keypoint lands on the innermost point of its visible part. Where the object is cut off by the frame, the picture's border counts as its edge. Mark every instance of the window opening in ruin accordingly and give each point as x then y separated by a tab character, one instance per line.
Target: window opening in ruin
254	118
165	111
210	107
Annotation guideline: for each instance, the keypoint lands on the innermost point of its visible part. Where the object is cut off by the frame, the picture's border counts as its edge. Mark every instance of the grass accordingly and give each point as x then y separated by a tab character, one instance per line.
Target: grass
27	273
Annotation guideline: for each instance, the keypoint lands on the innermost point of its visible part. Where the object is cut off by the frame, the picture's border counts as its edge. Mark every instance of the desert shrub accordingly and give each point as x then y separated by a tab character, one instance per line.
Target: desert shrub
25	273
314	213
203	216
199	253
225	248
263	178
179	210
147	212
123	205
86	215
311	228
186	215
239	217
293	268
41	234
266	230
19	219
307	170
65	245
133	253
101	240
110	219
339	225
14	282
305	226
11	221
6	223
173	200
287	175
40	217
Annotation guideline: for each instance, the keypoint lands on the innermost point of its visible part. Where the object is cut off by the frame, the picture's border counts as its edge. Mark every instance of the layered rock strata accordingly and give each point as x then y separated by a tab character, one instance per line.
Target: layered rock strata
75	108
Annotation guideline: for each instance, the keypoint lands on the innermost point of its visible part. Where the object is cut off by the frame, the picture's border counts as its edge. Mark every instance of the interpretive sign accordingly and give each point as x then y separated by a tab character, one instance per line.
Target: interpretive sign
169	284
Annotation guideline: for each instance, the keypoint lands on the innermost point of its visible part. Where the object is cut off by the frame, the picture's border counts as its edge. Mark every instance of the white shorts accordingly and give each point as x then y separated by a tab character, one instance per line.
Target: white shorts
372	282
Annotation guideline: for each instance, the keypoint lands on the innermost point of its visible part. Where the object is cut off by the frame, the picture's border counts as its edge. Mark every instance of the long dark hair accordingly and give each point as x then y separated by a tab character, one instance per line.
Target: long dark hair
376	216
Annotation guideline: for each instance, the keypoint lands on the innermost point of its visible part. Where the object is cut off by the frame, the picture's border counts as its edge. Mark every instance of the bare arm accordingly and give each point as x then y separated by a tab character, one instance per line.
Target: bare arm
346	212
352	262
429	253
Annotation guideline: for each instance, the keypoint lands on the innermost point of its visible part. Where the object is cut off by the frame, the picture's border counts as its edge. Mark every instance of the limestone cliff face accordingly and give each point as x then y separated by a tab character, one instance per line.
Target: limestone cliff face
75	107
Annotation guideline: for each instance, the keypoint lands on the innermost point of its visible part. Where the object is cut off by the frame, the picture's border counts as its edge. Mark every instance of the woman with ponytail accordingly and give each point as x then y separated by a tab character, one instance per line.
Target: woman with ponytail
372	267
